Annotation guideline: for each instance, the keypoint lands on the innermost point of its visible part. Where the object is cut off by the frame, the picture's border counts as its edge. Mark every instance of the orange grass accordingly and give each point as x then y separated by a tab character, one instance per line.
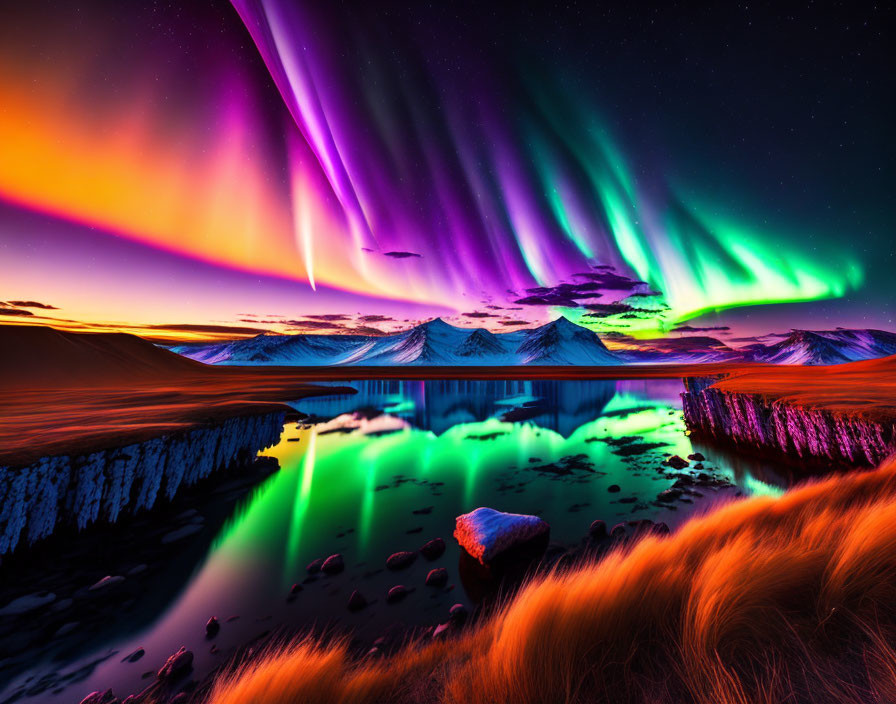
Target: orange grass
767	601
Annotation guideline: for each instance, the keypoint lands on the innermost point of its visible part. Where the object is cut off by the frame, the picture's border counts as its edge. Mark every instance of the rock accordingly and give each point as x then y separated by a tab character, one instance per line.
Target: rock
614	488
181	698
486	533
697	457
27	603
295	589
333	564
396	594
105	582
434	549
135	656
314	566
106	697
437	577
177	665
212	627
441	630
618	532
356	601
598	530
676	462
65	629
61	605
661	529
400	560
134	571
458	613
181	533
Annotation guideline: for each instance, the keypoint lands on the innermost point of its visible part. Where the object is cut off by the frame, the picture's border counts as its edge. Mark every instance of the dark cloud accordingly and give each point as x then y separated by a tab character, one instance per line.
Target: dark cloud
401	255
222	329
609	281
494	307
605	310
479	314
31	304
312	325
513	322
14	311
375	318
688	328
644	294
330	316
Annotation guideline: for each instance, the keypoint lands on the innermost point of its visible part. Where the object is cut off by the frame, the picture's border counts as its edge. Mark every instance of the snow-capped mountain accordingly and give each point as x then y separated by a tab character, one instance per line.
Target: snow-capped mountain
827	347
563	342
434	343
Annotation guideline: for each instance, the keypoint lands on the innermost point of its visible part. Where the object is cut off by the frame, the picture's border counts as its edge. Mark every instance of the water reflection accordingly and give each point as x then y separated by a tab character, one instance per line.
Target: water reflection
390	468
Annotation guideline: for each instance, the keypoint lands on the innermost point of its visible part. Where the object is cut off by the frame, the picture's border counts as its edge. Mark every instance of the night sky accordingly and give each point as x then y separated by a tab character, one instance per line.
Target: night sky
276	165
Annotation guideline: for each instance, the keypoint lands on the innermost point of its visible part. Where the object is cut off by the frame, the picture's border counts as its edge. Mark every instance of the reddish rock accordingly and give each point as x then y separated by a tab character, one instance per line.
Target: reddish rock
437	577
356	601
434	549
400	560
177	665
397	593
333	564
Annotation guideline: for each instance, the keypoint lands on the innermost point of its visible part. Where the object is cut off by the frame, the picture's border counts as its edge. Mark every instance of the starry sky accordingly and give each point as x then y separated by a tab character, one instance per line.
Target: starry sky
206	170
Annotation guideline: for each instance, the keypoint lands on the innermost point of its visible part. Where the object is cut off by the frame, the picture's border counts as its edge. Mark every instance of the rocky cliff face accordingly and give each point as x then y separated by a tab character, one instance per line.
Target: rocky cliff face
79	490
757	424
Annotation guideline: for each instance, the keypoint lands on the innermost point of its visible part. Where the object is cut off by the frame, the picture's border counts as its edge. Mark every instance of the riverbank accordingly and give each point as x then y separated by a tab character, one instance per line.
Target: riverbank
841	415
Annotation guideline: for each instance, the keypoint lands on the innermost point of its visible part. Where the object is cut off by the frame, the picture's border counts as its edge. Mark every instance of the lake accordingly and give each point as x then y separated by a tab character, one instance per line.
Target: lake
386	470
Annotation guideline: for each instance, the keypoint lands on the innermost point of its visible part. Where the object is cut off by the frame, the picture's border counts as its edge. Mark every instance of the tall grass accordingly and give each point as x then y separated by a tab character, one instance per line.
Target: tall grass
766	601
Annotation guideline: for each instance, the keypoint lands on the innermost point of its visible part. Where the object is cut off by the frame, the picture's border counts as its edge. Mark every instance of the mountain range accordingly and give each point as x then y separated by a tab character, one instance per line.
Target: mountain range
560	342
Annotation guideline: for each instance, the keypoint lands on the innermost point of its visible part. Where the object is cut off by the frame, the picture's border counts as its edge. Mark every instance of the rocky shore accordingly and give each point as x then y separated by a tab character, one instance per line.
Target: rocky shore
783	425
77	490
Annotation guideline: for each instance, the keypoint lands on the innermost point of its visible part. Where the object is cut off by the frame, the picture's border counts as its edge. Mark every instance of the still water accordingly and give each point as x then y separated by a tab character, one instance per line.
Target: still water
388	469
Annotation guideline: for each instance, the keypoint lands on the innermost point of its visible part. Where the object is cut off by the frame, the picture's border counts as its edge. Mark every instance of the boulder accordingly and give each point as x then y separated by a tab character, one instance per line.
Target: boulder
212	627
177	665
697	457
458	613
598	530
434	549
106	697
334	564
614	488
437	577
400	560
314	566
486	533
676	462
356	601
396	594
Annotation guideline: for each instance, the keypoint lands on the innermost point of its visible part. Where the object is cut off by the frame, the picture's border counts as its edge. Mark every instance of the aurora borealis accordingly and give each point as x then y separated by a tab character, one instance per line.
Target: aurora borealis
254	164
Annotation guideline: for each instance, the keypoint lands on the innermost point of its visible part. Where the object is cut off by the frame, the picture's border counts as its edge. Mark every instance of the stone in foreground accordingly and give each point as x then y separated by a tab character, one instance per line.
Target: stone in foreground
486	533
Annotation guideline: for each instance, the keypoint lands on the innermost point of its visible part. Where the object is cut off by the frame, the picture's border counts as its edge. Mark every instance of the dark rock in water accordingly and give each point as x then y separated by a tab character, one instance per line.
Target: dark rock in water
295	589
661	529
676	462
400	560
212	627
333	564
618	531
106	582
697	457
598	530
458	613
106	697
433	549
135	656
486	533
614	488
314	567
422	511
437	577
628	500
356	601
177	665
669	495
396	594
